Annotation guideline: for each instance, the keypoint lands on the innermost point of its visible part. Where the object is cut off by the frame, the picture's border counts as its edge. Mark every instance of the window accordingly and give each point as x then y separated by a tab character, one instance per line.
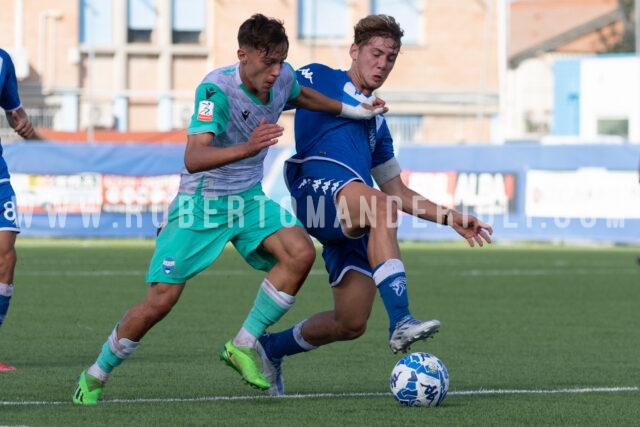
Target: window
141	20
188	20
322	19
405	129
406	12
95	23
615	127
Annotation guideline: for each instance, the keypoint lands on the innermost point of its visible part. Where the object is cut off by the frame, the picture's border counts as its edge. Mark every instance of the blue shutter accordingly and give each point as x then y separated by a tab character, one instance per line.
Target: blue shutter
406	13
189	15
142	14
566	97
322	18
95	22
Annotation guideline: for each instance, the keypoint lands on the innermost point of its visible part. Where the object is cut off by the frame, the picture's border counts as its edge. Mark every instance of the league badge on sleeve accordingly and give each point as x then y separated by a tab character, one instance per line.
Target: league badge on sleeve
205	111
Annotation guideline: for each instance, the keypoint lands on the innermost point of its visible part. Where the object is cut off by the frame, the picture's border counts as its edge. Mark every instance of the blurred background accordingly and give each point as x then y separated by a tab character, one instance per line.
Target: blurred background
526	112
471	71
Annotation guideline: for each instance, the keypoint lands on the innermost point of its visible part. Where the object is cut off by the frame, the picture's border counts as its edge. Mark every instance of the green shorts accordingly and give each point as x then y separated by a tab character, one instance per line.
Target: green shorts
198	229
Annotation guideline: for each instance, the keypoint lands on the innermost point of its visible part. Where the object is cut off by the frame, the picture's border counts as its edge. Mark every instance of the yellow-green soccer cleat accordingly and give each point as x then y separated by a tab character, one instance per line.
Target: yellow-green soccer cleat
88	390
242	359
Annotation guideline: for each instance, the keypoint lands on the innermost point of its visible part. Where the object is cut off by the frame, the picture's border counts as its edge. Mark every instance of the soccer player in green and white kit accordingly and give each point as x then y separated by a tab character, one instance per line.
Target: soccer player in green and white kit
221	200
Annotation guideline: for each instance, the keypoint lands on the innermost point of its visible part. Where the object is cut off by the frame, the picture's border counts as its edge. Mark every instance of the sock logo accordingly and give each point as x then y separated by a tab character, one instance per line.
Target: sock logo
398	286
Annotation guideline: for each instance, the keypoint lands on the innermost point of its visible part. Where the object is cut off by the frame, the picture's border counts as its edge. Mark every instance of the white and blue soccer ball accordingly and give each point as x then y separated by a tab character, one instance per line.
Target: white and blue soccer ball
419	379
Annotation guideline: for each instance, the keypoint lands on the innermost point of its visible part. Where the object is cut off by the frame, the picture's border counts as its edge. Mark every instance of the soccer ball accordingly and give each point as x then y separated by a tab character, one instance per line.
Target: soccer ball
419	379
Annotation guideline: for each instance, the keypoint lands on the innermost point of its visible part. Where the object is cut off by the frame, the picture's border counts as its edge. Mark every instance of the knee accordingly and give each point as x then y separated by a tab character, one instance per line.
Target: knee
306	254
160	303
302	255
348	332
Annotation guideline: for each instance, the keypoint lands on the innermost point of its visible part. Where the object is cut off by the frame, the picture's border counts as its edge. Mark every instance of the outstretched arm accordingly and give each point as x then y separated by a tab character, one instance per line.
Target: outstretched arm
472	229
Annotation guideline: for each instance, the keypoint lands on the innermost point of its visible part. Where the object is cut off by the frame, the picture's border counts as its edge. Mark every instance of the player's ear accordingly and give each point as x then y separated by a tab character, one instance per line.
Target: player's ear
353	51
242	55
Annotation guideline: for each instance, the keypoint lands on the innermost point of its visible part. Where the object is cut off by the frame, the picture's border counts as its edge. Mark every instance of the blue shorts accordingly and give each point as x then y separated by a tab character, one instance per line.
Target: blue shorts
8	208
314	193
350	255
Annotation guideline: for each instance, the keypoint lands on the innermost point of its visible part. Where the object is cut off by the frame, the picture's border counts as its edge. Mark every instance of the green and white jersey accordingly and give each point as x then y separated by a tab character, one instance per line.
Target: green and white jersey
225	107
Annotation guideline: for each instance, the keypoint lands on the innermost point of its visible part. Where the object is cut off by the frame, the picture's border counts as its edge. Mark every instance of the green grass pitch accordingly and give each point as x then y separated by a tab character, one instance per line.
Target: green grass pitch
532	334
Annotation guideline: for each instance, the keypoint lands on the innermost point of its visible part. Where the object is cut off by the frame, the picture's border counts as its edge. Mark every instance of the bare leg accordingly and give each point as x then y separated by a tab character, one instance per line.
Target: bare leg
380	221
353	301
8	260
8	256
139	319
295	253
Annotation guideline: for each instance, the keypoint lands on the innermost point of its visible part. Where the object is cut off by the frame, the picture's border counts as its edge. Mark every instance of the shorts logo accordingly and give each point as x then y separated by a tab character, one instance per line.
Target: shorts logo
321	184
205	111
168	265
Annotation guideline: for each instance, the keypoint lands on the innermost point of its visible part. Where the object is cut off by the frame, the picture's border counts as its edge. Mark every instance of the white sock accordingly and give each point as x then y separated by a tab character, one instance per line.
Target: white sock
95	371
297	335
6	290
244	339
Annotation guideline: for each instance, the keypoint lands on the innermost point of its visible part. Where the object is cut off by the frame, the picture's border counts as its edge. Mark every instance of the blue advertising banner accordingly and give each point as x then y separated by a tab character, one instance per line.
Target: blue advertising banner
526	192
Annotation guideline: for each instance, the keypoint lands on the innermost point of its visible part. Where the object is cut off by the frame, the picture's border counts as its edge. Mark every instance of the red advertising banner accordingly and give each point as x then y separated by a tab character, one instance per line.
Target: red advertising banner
93	193
479	192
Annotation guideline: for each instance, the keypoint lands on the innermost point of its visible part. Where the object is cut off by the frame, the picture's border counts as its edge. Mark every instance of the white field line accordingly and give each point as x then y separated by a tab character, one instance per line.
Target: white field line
332	395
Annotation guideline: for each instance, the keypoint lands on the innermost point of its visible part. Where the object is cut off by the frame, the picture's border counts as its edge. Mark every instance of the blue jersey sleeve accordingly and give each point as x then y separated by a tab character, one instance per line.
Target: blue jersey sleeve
321	78
9	98
383	150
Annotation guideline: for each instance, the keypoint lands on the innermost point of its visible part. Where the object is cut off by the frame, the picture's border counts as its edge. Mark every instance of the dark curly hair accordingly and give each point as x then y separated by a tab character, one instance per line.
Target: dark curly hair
262	33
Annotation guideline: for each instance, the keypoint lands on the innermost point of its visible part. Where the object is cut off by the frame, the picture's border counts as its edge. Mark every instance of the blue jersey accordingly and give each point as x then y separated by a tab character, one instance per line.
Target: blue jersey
9	99
358	145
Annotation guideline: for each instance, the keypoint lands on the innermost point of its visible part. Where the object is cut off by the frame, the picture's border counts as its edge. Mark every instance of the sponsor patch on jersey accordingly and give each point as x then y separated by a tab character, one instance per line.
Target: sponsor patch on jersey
168	265
205	111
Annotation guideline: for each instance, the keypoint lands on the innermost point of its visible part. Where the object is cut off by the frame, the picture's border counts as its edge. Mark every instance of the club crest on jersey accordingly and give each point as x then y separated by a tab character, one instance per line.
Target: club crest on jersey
168	265
205	111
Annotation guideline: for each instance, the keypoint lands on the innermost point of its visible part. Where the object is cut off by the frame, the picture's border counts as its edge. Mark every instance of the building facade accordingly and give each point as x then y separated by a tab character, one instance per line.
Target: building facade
566	84
133	65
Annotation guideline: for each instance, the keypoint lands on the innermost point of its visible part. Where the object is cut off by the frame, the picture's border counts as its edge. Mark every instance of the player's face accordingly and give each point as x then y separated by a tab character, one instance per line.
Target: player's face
372	63
260	71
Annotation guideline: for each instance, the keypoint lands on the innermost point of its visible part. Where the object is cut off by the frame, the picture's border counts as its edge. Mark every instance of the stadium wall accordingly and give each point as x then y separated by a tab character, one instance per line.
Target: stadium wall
526	192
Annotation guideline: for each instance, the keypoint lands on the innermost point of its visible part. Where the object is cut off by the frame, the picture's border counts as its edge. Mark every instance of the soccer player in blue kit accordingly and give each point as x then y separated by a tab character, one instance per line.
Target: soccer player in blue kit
9	227
220	200
331	181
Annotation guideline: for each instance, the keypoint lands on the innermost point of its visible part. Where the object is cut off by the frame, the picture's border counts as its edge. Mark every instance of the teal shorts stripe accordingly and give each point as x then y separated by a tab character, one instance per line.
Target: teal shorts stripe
198	229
